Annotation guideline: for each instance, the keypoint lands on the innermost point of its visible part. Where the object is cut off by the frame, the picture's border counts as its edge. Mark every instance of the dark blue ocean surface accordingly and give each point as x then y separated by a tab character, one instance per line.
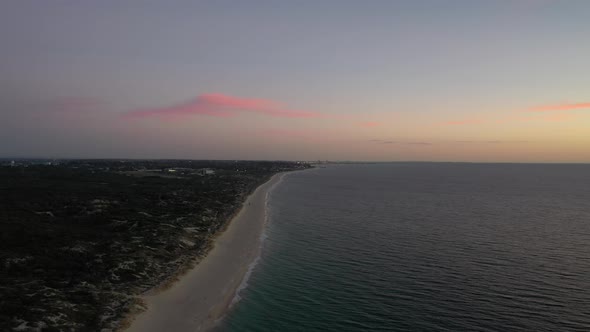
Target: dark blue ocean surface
424	247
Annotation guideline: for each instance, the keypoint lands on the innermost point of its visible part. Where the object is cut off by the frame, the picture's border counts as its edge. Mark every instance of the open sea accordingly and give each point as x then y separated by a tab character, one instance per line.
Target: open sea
423	247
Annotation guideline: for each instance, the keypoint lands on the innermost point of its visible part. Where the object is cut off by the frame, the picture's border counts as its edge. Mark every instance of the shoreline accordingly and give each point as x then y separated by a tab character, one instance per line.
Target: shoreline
201	296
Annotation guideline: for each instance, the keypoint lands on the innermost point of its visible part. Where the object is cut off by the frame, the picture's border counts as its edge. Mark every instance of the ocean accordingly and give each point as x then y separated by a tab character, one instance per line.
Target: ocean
423	247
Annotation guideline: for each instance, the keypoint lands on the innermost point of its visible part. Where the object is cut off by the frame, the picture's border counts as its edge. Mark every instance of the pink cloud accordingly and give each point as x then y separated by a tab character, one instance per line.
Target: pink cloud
369	124
290	113
220	105
559	107
193	107
242	103
521	116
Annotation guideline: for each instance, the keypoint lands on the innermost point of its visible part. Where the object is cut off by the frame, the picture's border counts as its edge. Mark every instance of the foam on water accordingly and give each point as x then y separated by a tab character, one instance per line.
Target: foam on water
262	238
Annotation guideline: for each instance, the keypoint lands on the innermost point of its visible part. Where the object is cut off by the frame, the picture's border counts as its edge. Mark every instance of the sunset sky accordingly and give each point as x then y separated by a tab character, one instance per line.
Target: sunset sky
494	81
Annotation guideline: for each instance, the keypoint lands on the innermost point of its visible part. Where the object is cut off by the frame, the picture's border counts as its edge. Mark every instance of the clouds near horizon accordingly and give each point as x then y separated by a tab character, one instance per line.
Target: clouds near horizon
565	108
560	107
222	106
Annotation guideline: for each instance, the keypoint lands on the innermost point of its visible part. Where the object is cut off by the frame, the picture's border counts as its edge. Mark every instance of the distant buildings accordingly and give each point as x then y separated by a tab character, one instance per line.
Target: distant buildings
205	171
188	171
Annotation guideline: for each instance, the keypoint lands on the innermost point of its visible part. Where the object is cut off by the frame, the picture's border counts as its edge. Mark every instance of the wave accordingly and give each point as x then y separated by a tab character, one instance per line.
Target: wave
263	236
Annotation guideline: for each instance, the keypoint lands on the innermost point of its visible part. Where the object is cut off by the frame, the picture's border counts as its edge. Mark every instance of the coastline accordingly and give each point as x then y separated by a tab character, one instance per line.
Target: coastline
203	294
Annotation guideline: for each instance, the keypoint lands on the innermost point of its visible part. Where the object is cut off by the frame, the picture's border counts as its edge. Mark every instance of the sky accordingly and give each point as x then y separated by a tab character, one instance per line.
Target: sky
416	80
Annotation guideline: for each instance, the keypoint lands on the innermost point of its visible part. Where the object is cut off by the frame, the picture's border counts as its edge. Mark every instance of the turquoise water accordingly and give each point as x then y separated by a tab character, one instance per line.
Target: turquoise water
423	247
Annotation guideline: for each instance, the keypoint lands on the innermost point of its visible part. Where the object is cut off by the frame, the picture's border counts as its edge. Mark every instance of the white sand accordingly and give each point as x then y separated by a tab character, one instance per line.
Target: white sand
202	296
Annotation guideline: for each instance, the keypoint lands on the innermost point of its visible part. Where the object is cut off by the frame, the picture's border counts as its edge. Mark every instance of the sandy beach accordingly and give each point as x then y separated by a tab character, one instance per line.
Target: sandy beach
202	295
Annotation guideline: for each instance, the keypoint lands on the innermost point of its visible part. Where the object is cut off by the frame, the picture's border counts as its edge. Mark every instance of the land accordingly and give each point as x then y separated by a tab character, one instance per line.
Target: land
82	240
203	295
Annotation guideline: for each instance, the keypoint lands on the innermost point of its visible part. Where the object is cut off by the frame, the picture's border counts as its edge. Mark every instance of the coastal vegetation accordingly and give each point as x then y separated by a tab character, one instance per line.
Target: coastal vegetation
80	240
